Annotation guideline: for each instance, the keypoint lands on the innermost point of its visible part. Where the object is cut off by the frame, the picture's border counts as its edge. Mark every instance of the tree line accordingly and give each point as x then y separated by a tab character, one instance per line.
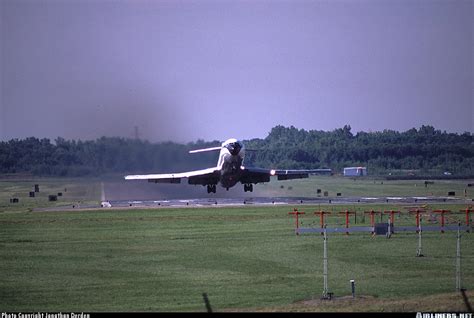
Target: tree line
424	151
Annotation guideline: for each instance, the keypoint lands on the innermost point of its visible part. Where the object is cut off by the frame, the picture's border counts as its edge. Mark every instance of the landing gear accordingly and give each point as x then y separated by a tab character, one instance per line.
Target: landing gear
211	188
248	187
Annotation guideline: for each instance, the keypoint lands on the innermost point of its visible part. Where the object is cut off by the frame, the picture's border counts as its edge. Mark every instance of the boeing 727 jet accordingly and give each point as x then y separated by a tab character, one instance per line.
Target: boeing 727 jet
228	172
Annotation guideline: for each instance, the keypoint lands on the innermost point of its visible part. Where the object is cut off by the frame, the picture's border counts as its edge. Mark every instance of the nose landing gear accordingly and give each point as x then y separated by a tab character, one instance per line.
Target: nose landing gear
211	188
248	187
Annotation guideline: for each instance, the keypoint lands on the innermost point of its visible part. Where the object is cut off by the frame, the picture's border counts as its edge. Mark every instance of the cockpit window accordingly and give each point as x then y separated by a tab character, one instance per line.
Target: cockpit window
234	148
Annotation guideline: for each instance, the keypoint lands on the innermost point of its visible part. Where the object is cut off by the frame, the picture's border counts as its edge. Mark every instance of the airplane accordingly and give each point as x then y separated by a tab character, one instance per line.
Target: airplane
228	172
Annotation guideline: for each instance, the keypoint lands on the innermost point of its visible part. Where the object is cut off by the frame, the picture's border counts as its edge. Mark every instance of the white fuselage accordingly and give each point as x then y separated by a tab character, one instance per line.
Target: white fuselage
230	162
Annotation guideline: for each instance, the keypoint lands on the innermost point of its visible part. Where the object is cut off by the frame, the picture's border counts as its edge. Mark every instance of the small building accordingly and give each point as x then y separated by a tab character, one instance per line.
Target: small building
355	171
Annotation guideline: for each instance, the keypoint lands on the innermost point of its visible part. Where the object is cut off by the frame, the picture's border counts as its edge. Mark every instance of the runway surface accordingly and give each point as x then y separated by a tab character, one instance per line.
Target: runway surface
119	194
122	194
280	201
254	201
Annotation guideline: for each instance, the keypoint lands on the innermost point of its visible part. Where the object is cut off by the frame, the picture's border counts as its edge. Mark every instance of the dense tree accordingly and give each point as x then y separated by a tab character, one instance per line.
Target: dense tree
426	150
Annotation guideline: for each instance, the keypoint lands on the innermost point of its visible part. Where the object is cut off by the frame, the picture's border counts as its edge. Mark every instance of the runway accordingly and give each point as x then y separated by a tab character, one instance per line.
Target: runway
280	201
122	195
253	201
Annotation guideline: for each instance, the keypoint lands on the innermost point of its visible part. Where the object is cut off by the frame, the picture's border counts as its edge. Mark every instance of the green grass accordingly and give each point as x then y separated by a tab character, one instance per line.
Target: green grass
350	187
74	191
165	259
243	258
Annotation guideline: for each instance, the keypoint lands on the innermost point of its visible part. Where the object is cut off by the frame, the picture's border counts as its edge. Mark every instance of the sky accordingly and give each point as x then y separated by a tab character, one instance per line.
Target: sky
212	70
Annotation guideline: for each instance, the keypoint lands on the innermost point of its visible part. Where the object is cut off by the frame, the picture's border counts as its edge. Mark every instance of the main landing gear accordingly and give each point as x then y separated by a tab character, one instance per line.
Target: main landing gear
211	188
248	187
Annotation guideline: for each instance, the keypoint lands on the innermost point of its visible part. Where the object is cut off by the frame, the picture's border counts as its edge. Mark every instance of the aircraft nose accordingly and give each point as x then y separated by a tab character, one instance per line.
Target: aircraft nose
234	149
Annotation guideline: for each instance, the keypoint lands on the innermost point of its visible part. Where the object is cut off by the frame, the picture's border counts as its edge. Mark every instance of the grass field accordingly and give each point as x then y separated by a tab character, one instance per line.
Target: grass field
74	191
350	187
243	258
165	259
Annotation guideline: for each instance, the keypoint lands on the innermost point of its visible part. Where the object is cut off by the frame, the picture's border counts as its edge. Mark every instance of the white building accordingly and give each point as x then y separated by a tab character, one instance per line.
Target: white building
355	171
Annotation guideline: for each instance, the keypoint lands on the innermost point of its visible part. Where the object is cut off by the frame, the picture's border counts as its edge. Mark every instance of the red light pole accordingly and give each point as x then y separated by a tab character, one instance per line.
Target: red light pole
392	215
442	212
372	217
467	211
296	213
347	213
417	211
321	215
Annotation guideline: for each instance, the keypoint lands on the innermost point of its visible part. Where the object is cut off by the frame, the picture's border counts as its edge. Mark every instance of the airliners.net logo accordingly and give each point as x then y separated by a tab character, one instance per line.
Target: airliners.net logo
443	315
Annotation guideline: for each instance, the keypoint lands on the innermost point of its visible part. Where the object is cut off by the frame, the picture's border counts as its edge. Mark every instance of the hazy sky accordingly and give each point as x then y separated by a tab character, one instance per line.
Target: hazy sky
183	70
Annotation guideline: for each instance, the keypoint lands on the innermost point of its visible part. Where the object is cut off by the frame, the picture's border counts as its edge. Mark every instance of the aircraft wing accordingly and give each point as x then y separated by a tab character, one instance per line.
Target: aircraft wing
204	177
257	175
